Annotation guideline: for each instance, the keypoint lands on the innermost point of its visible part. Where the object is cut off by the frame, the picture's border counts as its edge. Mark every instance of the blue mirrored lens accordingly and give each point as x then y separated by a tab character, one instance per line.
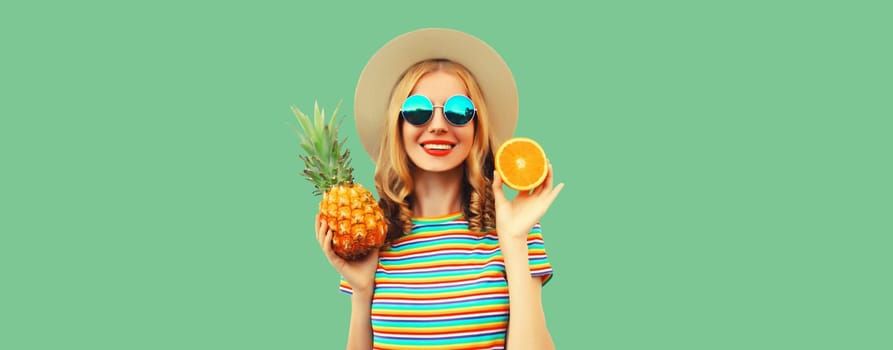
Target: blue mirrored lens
417	109
459	110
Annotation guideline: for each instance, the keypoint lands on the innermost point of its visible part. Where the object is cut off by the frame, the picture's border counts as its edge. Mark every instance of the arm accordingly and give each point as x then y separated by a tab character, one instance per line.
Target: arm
527	321
514	220
360	275
360	333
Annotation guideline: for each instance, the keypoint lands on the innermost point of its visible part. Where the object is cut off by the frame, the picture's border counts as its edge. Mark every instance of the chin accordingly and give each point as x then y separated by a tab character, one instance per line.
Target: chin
436	166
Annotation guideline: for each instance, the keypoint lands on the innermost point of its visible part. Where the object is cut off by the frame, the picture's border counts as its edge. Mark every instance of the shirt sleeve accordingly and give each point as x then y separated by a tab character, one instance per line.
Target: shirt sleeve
536	255
344	287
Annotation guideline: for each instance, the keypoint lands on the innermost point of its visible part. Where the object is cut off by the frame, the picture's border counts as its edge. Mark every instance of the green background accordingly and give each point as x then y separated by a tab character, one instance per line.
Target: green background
727	169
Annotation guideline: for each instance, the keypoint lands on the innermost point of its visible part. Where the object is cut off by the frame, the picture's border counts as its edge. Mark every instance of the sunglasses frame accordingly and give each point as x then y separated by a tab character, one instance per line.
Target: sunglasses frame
433	107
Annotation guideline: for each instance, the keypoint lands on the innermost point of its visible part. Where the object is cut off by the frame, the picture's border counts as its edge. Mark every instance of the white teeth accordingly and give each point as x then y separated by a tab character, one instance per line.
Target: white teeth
437	146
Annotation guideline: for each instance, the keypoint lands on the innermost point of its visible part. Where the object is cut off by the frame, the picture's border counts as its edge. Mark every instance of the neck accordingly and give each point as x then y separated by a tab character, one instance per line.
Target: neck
437	194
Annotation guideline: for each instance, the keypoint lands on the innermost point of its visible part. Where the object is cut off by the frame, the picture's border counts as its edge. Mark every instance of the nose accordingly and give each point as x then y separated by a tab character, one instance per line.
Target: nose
438	124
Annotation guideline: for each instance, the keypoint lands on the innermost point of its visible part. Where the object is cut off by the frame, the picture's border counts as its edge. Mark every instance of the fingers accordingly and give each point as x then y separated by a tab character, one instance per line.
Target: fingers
549	176
497	185
317	228
547	188
325	236
547	182
326	242
327	248
321	228
550	179
555	192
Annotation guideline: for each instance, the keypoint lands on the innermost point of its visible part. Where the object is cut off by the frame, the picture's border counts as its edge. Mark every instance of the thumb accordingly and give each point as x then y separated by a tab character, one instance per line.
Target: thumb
497	185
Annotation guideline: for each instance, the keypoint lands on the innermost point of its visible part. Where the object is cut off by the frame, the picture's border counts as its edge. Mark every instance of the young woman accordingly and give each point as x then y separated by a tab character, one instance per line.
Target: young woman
431	107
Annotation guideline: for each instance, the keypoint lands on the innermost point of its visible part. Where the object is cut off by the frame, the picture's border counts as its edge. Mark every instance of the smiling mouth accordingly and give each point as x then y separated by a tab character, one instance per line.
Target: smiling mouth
437	146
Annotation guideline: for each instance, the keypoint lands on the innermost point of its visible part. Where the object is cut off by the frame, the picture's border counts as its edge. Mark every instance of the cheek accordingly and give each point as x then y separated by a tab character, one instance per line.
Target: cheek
467	135
466	138
407	135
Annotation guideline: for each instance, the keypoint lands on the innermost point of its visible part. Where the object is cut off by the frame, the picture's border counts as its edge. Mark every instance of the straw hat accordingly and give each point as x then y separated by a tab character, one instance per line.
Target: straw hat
391	61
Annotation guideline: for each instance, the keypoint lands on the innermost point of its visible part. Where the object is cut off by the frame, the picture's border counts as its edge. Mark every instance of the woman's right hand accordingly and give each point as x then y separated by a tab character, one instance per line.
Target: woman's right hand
360	274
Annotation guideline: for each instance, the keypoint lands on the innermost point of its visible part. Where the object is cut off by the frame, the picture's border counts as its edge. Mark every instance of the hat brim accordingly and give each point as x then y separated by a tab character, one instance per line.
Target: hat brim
391	61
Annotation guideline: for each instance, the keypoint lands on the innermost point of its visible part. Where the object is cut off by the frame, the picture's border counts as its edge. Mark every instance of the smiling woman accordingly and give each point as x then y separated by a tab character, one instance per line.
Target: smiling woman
460	257
438	145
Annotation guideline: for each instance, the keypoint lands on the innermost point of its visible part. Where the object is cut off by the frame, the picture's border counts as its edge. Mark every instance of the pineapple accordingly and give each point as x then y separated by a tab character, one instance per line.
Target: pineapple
353	215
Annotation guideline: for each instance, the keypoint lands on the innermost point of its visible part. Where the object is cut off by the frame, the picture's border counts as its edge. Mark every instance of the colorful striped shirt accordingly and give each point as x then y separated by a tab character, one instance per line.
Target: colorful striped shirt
444	287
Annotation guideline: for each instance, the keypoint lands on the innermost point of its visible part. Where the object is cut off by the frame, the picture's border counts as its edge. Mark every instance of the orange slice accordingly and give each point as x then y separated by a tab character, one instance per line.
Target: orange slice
521	163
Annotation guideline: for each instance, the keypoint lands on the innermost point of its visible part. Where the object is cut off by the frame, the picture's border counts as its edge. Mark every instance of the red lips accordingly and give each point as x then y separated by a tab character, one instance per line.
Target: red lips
438	148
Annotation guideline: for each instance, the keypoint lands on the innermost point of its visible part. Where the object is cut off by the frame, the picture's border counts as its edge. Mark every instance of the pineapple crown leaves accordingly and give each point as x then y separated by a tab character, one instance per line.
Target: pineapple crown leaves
325	165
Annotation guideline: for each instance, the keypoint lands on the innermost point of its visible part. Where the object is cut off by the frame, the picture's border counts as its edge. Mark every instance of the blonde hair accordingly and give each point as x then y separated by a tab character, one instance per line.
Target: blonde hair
393	179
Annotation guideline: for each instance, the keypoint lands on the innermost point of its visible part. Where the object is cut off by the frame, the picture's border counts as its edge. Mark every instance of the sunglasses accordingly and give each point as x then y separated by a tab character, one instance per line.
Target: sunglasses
418	110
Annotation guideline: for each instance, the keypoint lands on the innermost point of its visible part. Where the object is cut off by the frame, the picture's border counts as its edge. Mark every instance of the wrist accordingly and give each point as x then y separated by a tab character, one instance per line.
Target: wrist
512	242
362	294
513	230
514	251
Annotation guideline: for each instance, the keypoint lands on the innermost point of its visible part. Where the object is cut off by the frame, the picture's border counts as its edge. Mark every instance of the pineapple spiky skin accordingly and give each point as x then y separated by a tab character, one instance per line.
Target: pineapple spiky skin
351	212
355	218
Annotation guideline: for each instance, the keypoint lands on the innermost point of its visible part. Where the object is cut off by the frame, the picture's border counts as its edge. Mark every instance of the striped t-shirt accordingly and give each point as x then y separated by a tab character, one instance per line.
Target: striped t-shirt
442	286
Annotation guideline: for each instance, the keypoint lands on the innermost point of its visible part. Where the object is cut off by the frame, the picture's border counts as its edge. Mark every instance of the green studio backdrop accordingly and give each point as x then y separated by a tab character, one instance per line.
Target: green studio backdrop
727	169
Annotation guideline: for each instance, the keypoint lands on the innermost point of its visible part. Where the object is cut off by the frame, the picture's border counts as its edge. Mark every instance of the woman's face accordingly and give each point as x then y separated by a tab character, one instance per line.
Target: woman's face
438	146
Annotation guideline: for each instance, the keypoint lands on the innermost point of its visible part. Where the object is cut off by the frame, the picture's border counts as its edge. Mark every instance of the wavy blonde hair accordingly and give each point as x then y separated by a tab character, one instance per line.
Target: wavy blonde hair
393	179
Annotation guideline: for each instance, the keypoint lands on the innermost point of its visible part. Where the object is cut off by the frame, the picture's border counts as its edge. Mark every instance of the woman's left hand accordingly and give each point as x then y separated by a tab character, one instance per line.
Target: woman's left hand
515	219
